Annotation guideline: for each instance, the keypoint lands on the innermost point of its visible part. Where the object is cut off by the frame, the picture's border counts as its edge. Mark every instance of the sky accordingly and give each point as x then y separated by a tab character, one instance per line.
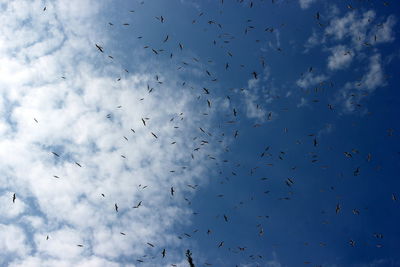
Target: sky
247	132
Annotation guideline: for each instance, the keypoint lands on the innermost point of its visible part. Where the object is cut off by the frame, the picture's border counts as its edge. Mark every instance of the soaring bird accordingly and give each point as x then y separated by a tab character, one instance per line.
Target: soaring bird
166	39
337	208
116	207
100	48
13	198
138	205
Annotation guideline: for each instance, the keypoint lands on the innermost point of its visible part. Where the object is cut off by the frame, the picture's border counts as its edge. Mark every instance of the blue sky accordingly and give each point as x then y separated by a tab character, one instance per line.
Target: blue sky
275	123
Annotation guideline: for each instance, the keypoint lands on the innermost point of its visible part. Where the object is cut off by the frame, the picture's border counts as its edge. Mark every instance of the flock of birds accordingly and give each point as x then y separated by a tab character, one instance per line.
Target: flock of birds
206	93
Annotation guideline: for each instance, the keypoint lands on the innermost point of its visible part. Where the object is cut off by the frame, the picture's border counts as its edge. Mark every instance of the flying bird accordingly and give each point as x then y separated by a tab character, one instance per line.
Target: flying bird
99	48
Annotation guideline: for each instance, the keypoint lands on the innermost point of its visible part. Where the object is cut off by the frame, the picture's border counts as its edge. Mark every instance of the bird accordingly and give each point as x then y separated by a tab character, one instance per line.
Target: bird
166	39
163	253
138	205
13	198
116	207
337	208
99	48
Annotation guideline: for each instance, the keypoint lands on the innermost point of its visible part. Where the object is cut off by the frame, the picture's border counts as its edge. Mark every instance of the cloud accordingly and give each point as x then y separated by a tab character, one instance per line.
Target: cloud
91	119
17	208
310	79
304	4
363	29
353	36
374	77
257	95
303	102
354	92
340	57
12	243
313	41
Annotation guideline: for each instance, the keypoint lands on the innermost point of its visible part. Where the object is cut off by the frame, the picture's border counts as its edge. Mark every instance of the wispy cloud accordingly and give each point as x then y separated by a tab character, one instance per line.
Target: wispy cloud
311	79
340	57
304	4
354	92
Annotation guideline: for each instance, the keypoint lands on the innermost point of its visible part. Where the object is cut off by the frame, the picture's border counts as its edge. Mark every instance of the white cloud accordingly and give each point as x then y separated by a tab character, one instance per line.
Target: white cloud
374	77
363	29
354	92
309	79
383	32
257	95
303	102
72	121
304	4
12	242
340	57
8	209
355	36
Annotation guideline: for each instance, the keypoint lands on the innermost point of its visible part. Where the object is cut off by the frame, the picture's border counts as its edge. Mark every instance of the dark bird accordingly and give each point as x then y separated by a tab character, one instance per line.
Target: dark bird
337	208
100	48
55	154
172	191
221	244
116	207
163	253
78	164
155	136
138	205
166	39
144	122
13	198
